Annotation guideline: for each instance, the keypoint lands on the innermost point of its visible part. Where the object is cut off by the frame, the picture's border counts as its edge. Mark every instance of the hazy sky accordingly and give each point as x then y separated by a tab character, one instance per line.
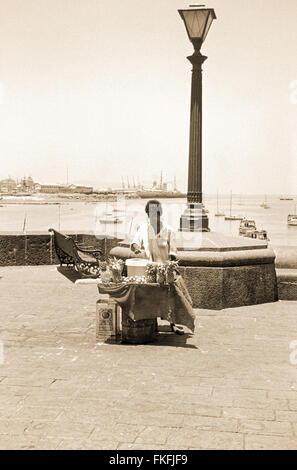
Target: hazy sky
104	87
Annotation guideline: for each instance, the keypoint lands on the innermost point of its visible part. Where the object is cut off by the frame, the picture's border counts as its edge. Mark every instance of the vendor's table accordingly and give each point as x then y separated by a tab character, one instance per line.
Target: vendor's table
142	304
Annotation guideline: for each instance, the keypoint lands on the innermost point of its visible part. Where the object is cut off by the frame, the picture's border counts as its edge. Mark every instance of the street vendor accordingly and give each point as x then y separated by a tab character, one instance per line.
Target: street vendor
156	241
155	237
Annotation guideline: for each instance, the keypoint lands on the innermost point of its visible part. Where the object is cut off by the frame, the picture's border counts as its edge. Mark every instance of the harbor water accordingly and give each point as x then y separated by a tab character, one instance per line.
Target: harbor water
27	215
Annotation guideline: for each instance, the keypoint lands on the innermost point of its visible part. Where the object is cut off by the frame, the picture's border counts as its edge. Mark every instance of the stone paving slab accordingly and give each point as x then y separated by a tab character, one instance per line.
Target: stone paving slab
231	385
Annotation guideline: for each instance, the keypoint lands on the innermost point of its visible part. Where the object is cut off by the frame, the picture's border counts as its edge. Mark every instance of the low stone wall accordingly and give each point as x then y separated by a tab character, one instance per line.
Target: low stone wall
36	248
286	270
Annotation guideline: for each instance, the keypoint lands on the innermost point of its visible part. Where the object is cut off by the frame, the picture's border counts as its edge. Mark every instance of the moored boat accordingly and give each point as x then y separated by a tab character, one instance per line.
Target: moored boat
292	219
219	213
247	228
231	217
111	220
264	204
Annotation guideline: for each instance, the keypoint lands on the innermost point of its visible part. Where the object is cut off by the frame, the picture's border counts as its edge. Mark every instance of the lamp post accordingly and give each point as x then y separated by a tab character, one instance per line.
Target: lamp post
197	22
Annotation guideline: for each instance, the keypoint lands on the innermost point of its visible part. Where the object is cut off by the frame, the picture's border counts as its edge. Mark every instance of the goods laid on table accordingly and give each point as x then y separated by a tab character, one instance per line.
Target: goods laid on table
152	290
111	271
140	271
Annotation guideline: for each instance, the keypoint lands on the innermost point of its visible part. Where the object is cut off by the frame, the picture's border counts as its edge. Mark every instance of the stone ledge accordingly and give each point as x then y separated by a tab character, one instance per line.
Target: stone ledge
216	242
211	258
226	258
287	284
286	257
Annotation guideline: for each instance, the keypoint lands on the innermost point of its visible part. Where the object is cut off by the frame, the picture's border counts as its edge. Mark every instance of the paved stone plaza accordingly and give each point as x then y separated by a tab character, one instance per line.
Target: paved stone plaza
230	386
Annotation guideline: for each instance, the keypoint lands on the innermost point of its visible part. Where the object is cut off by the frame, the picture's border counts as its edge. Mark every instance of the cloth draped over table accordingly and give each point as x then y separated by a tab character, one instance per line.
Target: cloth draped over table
142	301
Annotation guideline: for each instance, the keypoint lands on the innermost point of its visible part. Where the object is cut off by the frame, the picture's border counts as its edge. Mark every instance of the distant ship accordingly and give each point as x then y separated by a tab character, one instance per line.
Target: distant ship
160	191
286	199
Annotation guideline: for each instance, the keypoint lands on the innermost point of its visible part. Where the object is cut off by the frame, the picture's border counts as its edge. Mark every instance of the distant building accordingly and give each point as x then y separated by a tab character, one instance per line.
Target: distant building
57	188
81	189
8	185
26	185
53	188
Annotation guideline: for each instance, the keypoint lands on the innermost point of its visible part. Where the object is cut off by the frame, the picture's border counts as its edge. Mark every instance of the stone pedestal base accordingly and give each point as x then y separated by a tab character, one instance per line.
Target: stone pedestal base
223	272
216	288
194	219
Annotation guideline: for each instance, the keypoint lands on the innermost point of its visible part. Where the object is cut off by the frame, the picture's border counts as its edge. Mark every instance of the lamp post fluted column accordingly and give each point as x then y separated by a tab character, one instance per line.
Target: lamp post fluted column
198	21
194	218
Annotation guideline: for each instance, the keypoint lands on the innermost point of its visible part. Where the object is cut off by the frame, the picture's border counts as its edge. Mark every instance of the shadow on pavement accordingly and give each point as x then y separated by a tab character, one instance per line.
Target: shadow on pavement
164	338
69	273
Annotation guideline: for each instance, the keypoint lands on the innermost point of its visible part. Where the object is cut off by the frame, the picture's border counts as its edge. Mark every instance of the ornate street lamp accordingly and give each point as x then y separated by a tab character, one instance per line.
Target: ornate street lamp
197	21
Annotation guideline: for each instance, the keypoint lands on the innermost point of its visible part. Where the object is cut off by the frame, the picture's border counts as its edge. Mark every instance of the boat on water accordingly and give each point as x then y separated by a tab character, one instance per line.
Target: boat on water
231	217
286	198
264	204
160	190
246	225
292	220
247	228
219	213
119	211
111	220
